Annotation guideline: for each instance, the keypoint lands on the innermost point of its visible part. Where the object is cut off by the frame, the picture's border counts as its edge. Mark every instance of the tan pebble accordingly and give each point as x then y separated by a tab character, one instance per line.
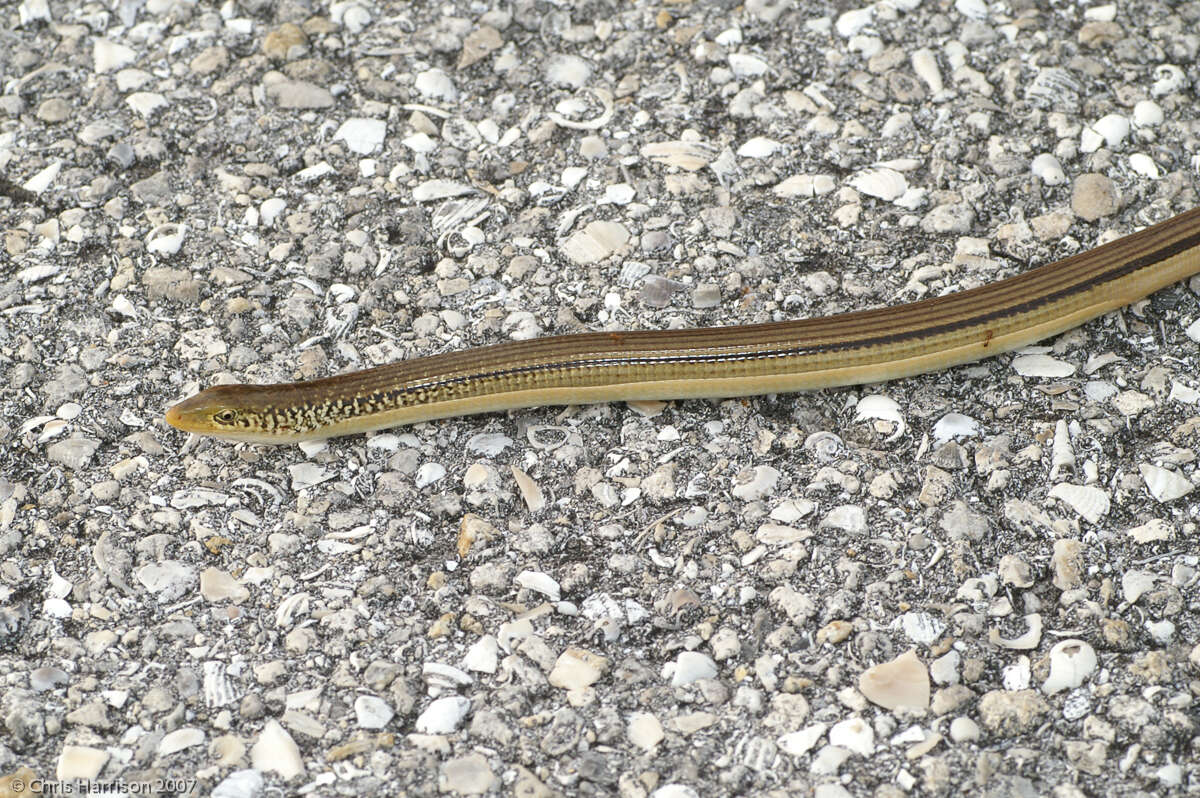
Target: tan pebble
576	668
532	494
1151	667
1068	564
80	762
278	43
1015	571
834	632
473	528
442	627
902	682
478	44
1010	712
16	242
1094	196
1051	226
645	731
346	750
54	110
228	748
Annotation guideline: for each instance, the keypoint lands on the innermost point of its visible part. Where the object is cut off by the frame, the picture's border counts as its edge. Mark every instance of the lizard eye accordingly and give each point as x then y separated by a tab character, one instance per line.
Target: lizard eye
226	416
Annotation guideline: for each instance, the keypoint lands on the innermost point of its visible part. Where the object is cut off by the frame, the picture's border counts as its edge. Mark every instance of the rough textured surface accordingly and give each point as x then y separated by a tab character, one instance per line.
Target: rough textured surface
670	599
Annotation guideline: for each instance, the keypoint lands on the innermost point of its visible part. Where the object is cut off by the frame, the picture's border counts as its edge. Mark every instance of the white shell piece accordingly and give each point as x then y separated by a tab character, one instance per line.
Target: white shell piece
799	743
166	239
805	186
145	103
1184	393
883	183
759	147
955	425
122	306
1041	366
270	210
1144	165
361	135
854	21
606	99
1071	662
1047	167
1017	675
429	474
1113	128
1024	642
868	46
884	408
853	734
1193	331
925	64
1089	502
747	66
33	423
218	687
540	582
444	715
1147	113
972	9
35	274
619	194
824	446
442	675
420	142
1135	583
1168	79
572	175
440	189
1165	485
53	429
1062	456
688	155
290	608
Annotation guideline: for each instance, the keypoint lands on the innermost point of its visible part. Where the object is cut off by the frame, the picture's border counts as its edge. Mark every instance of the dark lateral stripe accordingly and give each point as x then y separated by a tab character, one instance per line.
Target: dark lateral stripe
880	327
933	326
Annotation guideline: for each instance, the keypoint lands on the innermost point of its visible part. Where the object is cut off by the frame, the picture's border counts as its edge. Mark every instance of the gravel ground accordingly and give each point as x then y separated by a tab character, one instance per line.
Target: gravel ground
979	581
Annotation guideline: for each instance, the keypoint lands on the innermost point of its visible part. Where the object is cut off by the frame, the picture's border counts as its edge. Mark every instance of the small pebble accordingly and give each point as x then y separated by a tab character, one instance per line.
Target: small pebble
239	784
690	666
964	730
467	775
362	136
179	740
645	731
372	712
